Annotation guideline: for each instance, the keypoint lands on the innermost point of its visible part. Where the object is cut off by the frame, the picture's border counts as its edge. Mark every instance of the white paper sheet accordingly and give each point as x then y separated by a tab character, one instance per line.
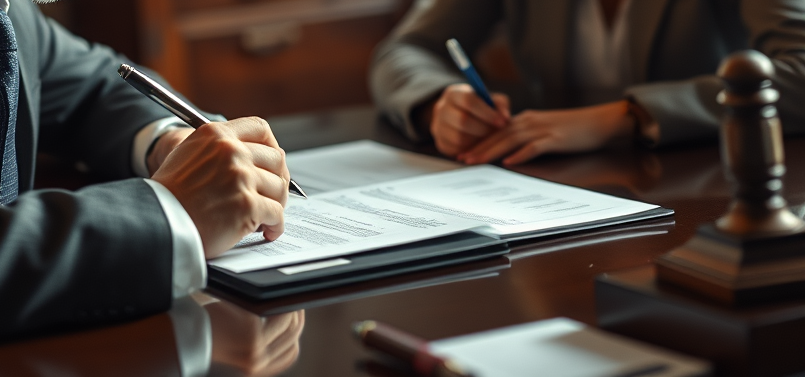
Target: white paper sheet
563	348
339	223
491	199
509	202
358	163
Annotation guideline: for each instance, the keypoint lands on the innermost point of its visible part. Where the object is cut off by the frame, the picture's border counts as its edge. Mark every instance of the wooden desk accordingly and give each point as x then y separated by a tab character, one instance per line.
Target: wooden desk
558	283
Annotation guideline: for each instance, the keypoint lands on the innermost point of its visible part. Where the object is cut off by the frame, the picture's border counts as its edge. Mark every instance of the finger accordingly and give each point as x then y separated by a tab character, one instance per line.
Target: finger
274	326
282	344
272	219
493	148
252	129
528	152
279	334
464	122
447	149
289	335
451	142
292	321
471	103
459	138
271	186
267	158
270	159
281	362
502	104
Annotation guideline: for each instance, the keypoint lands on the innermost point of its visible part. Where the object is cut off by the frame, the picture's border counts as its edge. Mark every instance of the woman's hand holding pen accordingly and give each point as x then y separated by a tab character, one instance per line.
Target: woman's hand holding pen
461	119
231	178
465	125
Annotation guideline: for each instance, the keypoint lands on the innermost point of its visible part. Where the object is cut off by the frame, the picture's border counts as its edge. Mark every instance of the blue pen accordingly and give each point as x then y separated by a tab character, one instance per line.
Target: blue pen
464	64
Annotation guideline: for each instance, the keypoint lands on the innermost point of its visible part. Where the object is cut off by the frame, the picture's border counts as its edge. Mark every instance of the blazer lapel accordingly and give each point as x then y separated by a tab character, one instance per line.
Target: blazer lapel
27	119
644	18
25	132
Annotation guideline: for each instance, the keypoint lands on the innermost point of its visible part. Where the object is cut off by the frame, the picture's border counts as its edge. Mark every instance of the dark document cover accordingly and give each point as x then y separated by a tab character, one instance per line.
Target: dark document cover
418	256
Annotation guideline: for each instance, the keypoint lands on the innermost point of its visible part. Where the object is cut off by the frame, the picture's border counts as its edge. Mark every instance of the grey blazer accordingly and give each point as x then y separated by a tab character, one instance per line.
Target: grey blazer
675	48
99	255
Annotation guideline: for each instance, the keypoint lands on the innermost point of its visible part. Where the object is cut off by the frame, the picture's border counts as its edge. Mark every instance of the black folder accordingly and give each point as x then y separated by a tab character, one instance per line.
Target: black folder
417	256
480	269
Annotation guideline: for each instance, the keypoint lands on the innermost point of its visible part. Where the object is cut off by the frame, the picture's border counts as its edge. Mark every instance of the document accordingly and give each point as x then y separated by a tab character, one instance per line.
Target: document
564	348
486	199
359	163
512	205
340	223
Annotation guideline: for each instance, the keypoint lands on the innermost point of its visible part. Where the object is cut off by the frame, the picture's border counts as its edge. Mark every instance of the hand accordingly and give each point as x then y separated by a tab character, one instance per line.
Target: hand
533	133
251	344
164	146
461	119
231	179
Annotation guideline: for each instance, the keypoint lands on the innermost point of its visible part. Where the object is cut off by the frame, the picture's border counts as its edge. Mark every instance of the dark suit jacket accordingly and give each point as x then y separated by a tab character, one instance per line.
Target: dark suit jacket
98	255
675	47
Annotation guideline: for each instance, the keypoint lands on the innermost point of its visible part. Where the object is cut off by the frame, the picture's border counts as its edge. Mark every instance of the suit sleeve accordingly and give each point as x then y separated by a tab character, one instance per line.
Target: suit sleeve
776	28
413	66
69	260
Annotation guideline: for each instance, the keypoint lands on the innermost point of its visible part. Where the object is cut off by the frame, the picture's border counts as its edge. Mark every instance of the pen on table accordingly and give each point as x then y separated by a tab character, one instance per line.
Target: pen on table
466	67
407	348
175	105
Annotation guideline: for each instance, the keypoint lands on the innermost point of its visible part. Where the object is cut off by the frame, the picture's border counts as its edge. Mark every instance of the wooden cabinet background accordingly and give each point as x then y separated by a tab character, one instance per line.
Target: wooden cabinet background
246	57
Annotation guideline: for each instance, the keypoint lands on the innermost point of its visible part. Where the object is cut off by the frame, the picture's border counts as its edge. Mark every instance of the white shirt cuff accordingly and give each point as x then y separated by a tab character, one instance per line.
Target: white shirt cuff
189	266
145	137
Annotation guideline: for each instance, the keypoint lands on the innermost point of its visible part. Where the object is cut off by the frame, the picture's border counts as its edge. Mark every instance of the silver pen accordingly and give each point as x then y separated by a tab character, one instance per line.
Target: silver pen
175	105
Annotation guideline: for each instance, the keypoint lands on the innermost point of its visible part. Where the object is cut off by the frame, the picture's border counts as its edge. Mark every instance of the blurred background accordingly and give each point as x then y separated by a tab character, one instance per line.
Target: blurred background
255	57
245	57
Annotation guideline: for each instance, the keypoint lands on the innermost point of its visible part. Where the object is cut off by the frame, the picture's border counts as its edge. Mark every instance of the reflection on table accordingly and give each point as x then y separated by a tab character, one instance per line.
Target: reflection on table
200	336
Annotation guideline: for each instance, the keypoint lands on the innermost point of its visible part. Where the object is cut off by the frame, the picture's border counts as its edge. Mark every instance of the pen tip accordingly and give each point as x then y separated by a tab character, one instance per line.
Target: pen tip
294	188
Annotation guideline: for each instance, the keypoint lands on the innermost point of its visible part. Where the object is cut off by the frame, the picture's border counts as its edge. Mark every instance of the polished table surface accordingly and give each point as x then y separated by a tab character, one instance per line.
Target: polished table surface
539	280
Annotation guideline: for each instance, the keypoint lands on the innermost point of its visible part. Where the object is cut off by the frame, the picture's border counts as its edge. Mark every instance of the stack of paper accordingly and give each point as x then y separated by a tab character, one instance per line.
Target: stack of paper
485	199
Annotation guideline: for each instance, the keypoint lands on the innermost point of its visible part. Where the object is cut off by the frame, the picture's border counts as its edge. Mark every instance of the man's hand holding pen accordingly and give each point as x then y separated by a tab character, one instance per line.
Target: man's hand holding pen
231	178
162	96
